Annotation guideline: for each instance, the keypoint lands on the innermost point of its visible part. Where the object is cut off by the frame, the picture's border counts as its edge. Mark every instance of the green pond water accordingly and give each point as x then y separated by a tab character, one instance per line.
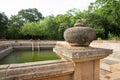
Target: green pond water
29	56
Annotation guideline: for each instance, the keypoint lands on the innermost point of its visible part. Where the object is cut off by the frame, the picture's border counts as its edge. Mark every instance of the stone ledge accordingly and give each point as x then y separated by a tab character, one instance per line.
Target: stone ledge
37	70
80	53
5	52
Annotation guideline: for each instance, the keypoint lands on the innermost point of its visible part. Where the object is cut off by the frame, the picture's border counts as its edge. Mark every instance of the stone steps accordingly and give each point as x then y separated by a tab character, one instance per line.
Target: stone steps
111	76
111	60
106	63
116	53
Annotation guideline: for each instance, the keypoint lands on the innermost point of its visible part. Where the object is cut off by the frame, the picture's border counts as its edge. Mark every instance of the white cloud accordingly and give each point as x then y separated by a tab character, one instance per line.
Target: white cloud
46	7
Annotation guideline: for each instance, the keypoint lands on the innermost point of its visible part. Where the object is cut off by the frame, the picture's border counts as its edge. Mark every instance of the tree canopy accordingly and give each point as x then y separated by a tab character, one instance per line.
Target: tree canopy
30	15
102	15
3	24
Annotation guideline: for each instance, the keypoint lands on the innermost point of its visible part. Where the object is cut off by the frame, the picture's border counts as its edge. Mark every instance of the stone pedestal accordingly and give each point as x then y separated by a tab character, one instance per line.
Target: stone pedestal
86	60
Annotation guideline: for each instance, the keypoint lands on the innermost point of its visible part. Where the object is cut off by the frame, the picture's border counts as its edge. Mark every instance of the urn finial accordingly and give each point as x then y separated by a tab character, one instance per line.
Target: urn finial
78	23
79	35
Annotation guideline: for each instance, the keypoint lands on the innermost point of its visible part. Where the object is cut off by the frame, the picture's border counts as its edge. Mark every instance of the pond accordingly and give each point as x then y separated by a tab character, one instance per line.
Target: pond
29	56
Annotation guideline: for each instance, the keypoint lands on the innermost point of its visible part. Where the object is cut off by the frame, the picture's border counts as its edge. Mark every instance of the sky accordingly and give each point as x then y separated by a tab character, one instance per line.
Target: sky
46	7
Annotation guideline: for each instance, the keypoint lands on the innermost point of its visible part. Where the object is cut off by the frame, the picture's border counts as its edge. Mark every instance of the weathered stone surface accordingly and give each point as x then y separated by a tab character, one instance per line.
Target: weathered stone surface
108	65
115	67
85	59
28	45
56	77
81	53
111	76
39	70
115	45
5	52
79	35
3	69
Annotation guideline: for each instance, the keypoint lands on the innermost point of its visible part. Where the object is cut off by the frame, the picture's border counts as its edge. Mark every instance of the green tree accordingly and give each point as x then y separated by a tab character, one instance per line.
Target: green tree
30	15
31	30
104	14
44	29
3	25
63	22
23	16
50	28
16	21
14	24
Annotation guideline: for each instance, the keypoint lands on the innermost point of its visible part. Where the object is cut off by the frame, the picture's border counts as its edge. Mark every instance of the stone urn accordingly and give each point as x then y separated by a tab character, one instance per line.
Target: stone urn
79	35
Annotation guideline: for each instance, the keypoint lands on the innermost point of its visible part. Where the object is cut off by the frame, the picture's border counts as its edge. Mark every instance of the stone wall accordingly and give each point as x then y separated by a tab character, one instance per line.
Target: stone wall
5	49
45	70
5	52
33	44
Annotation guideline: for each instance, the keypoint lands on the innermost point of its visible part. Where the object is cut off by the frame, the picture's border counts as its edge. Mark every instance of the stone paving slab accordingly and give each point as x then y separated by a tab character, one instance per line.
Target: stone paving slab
111	76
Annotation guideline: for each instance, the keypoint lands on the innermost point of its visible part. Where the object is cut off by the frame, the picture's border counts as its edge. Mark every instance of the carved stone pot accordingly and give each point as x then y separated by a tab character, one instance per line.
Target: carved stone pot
79	35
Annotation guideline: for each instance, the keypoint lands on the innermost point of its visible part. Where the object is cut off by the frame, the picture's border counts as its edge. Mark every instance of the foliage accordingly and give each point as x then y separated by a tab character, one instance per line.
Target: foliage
50	28
13	33
99	32
29	30
104	13
113	37
3	25
14	24
30	15
99	38
44	29
16	21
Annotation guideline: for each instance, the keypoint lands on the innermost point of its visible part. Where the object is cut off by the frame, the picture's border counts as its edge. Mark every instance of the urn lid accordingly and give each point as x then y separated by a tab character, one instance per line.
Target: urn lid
79	35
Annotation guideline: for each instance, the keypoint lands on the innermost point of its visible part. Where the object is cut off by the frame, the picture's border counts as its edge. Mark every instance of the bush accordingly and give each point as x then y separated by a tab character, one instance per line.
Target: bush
113	37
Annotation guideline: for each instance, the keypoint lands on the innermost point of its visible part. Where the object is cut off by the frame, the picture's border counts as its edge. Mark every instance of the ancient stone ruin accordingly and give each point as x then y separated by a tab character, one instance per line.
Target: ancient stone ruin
78	60
76	49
